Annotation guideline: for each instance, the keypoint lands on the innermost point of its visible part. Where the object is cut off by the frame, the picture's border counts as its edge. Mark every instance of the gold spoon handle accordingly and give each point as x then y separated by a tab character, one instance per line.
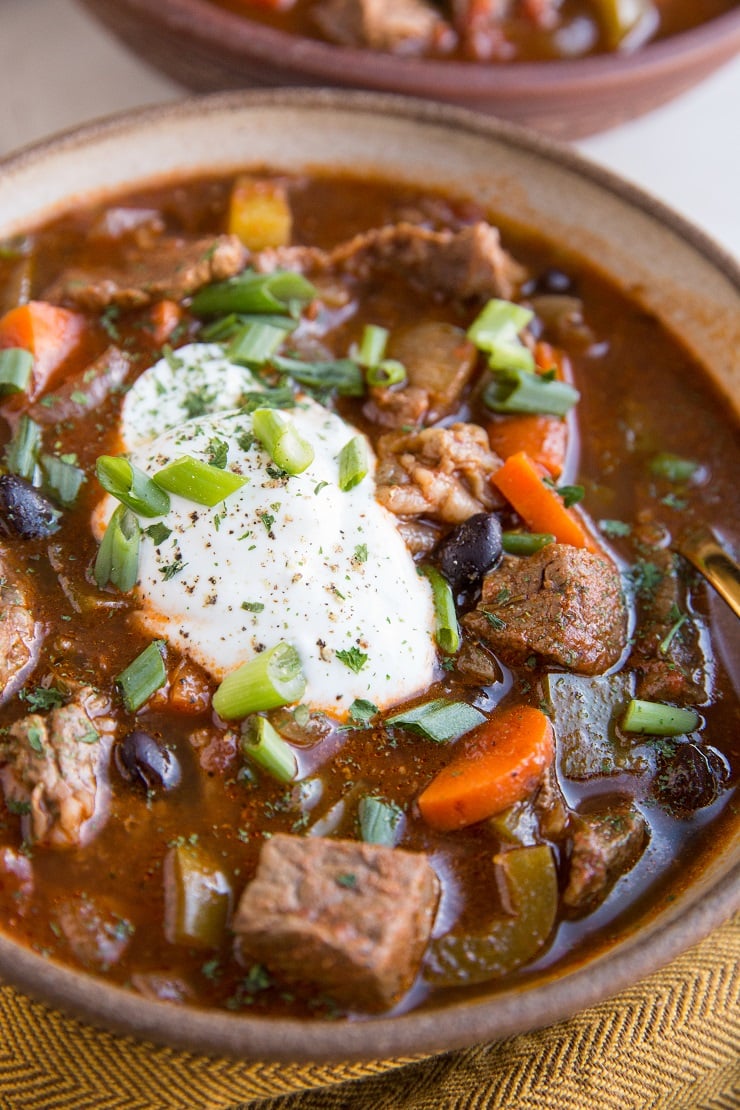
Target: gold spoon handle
711	560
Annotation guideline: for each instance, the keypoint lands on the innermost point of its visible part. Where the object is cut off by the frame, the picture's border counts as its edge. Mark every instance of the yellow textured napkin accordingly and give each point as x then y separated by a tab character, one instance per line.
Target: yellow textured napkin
671	1042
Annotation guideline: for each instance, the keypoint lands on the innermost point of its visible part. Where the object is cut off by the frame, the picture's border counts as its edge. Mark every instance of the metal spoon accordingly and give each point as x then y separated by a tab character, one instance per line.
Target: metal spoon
703	550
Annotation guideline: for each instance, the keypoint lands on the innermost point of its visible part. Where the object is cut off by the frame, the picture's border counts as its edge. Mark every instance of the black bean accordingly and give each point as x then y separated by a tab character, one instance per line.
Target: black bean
689	777
146	762
469	551
24	511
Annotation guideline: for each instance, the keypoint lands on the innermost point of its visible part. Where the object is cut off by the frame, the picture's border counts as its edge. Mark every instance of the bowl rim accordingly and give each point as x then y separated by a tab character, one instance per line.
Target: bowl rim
204	22
518	1008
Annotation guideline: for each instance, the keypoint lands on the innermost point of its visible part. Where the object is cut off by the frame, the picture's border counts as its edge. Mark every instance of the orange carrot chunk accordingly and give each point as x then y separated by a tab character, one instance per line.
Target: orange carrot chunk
544	438
538	505
49	332
164	317
502	763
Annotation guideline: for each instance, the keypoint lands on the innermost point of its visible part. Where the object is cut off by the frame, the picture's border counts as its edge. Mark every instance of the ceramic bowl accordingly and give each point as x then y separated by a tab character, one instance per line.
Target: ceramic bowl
207	48
671	268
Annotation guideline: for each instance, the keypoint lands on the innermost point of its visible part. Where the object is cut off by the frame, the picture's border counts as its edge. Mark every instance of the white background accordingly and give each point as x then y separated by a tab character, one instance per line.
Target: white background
57	68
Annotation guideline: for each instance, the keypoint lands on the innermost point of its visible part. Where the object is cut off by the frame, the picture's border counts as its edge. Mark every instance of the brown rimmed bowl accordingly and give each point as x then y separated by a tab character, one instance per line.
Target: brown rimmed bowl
665	264
207	48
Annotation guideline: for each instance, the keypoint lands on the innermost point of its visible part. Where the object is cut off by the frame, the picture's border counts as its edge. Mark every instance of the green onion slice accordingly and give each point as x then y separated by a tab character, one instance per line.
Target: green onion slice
16	367
525	543
198	481
522	391
272	679
656	719
131	486
388	372
143	677
281	292
354	463
63	479
255	344
117	560
278	435
225	328
341	374
673	467
496	331
379	821
264	745
371	350
447	632
21	454
439	720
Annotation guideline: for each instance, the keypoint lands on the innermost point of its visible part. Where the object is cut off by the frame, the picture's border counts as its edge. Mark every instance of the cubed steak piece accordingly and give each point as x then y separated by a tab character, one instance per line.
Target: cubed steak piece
562	605
606	845
352	920
20	633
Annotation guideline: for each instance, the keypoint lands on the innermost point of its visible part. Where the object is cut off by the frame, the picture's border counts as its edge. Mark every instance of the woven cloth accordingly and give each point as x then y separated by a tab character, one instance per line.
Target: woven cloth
671	1042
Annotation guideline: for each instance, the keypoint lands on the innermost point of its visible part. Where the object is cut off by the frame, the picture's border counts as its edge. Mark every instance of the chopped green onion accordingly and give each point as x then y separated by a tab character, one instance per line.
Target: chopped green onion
16	366
255	344
372	346
379	821
522	391
21	454
496	331
388	372
341	374
439	720
198	481
62	478
280	292
673	468
272	679
447	632
225	328
266	747
278	435
117	560
131	486
525	543
281	397
354	463
656	719
143	677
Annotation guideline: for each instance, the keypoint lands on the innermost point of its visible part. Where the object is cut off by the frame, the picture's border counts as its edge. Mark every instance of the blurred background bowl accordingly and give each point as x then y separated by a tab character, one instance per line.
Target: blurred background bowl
207	48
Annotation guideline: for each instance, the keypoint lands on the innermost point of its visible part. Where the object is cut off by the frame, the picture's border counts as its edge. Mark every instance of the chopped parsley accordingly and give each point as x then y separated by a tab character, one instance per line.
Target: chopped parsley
41	698
362	711
615	528
361	553
172	569
158	533
494	621
267	519
353	658
34	740
197	402
253	606
644	577
218	452
347	880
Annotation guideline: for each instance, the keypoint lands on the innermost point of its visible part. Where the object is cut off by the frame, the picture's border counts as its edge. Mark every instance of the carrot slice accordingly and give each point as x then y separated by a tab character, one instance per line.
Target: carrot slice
544	438
539	506
49	332
502	763
164	317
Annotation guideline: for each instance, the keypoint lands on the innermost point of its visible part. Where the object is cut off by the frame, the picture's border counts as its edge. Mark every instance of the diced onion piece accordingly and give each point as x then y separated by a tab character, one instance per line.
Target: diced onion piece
496	331
143	677
439	720
264	745
447	632
655	719
272	679
131	486
16	366
354	463
117	560
198	481
259	213
278	435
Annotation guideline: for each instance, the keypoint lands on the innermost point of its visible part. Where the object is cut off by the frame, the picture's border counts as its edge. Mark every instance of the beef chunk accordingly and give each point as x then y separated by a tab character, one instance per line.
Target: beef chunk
667	654
563	605
85	391
469	264
439	472
20	633
52	767
175	269
94	929
350	919
605	846
400	26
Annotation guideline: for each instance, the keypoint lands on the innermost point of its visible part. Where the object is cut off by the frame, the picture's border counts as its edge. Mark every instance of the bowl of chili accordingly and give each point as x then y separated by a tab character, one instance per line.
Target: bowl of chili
378	320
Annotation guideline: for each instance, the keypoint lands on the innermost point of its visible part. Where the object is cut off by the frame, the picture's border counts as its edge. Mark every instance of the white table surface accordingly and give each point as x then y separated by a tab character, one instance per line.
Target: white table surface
58	68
